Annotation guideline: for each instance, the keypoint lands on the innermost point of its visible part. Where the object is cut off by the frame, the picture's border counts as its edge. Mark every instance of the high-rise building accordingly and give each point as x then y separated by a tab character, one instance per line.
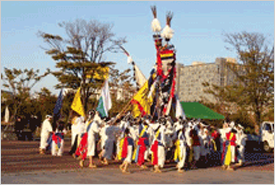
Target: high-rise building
190	78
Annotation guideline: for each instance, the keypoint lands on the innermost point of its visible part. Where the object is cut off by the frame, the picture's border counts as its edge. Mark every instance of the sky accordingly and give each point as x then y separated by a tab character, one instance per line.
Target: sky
199	27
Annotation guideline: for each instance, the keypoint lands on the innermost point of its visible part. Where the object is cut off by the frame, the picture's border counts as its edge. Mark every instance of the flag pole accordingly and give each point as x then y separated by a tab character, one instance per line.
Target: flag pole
127	105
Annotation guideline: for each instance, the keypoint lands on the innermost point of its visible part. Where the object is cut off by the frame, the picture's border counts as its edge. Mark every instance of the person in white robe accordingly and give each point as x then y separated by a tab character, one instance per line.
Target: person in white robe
110	133
150	132
205	143
122	124
168	138
46	129
241	142
77	129
180	151
159	136
57	149
128	158
92	129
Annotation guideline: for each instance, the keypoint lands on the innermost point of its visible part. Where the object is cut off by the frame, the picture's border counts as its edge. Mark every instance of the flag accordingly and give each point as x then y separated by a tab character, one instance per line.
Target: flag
58	105
104	103
77	104
139	76
57	108
7	114
141	102
179	109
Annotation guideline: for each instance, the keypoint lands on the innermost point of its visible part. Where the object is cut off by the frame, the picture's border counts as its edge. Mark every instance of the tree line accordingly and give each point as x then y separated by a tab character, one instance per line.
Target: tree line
81	54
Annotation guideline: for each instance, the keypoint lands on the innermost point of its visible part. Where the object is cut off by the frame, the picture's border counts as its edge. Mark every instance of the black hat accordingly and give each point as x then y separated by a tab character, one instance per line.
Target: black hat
162	121
91	112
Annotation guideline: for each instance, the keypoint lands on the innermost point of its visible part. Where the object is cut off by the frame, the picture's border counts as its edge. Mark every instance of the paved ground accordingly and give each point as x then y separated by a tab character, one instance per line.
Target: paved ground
114	176
21	163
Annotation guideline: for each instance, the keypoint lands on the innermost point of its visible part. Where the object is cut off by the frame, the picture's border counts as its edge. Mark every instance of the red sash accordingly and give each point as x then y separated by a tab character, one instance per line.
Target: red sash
142	149
154	149
125	148
83	147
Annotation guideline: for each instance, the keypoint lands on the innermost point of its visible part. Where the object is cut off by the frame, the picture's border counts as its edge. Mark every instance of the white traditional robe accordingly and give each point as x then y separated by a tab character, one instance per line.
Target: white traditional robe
79	128
150	132
182	140
187	136
168	135
46	128
94	128
122	126
241	142
223	132
205	143
58	151
161	143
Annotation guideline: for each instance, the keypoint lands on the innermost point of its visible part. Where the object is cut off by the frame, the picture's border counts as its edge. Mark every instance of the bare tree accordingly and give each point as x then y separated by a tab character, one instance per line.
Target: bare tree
80	56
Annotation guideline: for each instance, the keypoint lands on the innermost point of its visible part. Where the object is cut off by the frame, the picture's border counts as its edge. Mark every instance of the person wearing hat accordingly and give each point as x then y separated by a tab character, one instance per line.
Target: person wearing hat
228	156
223	133
123	125
103	137
58	139
195	148
110	131
46	129
178	123
150	132
77	125
205	144
187	134
168	138
158	145
180	149
92	127
241	142
142	143
127	151
215	142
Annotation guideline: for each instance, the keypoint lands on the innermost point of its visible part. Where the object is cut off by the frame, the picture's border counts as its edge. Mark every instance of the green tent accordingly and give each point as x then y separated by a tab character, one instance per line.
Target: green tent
199	111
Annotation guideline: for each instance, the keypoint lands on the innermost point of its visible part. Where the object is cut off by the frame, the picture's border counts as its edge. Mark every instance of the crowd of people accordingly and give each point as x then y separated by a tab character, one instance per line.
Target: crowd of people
188	143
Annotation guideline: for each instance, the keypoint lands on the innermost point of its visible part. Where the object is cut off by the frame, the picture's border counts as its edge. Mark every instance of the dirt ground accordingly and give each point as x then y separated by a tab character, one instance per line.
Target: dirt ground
23	156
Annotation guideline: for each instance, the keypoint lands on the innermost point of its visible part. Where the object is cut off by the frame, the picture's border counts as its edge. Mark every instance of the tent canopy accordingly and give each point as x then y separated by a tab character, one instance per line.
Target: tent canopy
199	111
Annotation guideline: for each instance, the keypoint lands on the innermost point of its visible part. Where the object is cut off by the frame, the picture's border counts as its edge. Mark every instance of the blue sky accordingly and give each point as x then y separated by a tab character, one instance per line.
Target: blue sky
198	27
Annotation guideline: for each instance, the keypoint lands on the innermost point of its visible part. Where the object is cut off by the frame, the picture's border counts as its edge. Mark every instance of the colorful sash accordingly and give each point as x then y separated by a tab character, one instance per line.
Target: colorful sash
57	138
214	145
124	151
137	149
154	149
177	153
191	152
82	148
227	152
119	155
178	150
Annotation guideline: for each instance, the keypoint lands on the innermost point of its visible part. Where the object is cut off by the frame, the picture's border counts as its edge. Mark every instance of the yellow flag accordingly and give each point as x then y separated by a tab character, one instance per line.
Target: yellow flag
101	73
77	104
141	102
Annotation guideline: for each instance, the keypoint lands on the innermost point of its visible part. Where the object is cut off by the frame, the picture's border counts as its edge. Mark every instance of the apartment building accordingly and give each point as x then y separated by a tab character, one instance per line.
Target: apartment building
190	78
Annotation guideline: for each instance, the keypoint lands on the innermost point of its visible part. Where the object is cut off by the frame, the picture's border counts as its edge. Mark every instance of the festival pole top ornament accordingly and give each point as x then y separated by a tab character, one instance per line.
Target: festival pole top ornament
167	32
166	62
